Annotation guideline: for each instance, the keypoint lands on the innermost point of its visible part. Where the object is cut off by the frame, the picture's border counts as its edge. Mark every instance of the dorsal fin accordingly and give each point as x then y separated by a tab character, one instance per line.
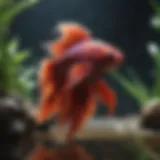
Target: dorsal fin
70	33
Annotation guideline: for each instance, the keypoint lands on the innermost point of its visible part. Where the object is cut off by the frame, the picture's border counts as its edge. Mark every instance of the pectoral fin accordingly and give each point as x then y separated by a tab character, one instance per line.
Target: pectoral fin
107	95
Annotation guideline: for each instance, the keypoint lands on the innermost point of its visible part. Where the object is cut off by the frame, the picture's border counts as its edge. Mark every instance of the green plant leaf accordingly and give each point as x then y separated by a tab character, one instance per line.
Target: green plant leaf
23	88
27	75
155	55
11	57
155	20
4	4
13	46
131	87
21	56
136	80
155	4
10	11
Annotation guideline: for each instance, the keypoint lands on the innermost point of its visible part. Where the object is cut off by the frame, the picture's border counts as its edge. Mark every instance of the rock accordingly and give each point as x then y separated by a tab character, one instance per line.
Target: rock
16	127
151	115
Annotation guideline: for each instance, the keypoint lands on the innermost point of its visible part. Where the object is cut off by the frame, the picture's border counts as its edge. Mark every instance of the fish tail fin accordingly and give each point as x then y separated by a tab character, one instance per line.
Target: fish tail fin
39	153
78	74
70	34
79	115
64	113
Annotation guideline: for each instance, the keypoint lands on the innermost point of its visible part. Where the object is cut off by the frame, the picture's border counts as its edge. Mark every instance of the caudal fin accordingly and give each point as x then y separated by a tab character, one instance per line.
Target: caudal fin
79	115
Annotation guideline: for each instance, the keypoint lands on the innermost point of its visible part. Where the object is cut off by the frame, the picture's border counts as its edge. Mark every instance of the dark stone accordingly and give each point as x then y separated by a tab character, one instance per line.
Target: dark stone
16	130
151	119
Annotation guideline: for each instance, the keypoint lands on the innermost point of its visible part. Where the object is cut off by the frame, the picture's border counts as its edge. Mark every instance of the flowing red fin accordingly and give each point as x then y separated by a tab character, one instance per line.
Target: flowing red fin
78	73
79	119
48	108
70	34
65	110
47	91
107	95
81	112
47	66
56	47
40	153
46	77
47	87
76	76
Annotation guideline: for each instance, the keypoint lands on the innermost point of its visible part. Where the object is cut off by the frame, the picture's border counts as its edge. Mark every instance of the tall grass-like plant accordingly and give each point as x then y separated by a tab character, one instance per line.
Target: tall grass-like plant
14	77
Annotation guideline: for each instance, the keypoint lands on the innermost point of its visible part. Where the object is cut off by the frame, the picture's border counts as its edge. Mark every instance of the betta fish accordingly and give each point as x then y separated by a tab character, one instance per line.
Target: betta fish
71	81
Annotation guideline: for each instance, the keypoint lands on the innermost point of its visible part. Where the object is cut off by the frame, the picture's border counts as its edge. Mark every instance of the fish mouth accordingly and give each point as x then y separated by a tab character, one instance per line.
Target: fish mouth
109	69
114	65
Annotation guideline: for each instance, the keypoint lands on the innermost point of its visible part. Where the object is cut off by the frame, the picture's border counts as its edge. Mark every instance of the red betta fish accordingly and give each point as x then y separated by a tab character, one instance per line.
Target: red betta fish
53	72
71	83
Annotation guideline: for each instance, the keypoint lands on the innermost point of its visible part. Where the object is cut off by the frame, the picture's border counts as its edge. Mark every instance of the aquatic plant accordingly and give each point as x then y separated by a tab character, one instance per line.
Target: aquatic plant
14	78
